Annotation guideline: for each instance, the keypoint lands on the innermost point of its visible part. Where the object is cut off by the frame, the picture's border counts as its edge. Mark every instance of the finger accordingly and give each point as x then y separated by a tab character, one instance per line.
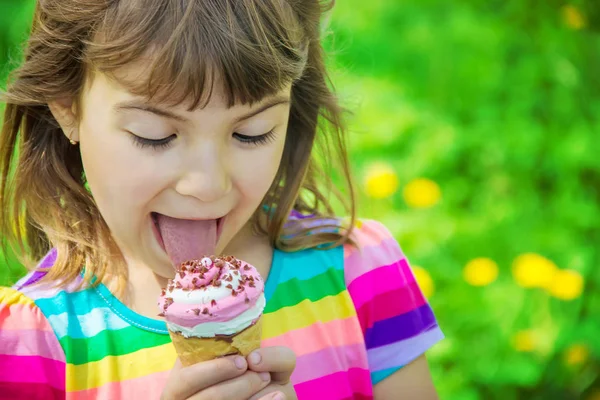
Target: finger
240	388
186	381
273	390
280	361
274	396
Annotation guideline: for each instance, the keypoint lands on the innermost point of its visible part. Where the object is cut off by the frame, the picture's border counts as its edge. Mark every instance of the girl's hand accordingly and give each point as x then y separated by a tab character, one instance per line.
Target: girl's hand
280	363
223	378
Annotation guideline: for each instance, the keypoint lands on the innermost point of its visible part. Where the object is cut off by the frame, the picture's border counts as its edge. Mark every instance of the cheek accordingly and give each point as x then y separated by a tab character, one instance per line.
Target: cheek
117	175
255	176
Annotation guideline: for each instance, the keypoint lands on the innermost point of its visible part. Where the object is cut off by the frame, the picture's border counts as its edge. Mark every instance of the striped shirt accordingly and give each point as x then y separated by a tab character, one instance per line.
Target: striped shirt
353	316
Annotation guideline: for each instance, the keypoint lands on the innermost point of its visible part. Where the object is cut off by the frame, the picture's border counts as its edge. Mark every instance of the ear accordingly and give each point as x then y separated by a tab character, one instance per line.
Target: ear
64	111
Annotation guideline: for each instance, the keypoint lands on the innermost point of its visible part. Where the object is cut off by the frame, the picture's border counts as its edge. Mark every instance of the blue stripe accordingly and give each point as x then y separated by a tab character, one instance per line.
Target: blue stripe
79	303
306	264
86	326
378	376
302	265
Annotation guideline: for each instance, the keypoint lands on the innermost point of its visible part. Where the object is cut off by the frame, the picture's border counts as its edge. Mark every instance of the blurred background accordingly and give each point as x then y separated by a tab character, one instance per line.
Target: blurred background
475	140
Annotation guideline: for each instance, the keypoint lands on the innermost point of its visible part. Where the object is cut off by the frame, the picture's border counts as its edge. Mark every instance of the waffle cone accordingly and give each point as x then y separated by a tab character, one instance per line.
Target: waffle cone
193	350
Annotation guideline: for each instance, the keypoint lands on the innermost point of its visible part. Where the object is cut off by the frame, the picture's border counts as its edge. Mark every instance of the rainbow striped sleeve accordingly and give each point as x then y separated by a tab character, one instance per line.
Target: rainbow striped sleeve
397	322
32	361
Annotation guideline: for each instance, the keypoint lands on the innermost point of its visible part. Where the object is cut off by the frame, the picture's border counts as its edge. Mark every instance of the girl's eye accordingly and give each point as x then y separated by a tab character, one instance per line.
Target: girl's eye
156	144
256	140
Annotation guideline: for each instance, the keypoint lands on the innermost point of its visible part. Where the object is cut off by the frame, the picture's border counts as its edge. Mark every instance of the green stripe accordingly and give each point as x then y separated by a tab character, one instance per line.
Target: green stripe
110	343
292	292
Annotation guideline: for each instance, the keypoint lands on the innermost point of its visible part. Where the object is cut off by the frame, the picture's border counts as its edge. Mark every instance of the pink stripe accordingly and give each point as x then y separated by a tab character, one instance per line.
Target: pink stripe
320	336
330	361
390	304
371	233
340	385
358	262
23	316
29	391
32	369
31	343
146	387
381	280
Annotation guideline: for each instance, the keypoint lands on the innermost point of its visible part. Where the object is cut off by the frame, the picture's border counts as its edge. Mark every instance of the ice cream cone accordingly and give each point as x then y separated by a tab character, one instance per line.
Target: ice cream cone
213	308
193	350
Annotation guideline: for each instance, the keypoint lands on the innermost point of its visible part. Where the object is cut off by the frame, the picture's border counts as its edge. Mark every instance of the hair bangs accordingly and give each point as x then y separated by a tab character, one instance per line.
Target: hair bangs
252	49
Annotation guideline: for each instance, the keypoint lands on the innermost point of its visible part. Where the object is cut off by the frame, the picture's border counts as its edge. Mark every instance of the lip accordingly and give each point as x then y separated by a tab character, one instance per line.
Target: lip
159	238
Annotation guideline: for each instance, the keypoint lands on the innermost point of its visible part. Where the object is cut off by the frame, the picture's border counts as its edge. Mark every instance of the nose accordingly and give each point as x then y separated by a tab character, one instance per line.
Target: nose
206	179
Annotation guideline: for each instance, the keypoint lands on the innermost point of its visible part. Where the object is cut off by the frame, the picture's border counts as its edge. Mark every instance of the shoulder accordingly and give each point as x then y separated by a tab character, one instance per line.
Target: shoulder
22	322
28	343
373	247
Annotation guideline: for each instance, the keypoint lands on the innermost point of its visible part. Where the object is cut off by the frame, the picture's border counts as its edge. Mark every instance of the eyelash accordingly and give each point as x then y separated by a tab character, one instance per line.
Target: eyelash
160	144
265	138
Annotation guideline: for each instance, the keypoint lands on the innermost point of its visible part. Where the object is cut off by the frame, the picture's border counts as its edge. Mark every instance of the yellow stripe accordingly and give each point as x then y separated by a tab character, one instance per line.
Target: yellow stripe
11	297
307	313
119	368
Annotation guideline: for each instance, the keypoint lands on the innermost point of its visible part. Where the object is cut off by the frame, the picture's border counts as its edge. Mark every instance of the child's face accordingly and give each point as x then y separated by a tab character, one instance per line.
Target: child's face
206	170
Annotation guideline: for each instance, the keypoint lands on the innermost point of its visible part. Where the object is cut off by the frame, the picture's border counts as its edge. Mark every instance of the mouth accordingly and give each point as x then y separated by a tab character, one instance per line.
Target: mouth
156	229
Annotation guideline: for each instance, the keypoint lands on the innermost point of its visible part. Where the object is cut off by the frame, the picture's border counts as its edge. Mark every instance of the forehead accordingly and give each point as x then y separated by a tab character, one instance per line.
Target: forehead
119	98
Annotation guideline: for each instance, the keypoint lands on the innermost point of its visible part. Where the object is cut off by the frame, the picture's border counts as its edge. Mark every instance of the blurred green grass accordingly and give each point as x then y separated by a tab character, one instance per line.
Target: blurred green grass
475	136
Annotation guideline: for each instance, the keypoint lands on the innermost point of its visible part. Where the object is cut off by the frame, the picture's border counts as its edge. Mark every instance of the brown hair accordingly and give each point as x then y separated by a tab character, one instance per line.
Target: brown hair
255	46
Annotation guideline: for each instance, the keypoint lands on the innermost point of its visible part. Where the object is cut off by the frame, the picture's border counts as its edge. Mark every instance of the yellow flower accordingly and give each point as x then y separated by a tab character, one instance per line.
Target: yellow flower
573	17
576	354
424	280
380	181
524	341
566	285
422	193
532	270
480	272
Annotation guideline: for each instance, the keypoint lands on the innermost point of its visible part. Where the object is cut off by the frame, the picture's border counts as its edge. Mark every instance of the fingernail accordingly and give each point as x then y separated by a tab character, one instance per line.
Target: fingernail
240	362
265	376
254	358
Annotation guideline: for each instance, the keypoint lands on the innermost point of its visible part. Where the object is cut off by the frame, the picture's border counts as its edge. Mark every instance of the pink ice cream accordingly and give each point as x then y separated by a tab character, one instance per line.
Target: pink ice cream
213	296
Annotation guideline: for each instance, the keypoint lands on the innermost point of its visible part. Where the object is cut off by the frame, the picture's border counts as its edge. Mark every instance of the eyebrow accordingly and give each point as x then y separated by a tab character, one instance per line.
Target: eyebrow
141	106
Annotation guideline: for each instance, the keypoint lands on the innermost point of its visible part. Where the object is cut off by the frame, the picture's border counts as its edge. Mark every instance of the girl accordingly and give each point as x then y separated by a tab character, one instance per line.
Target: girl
135	127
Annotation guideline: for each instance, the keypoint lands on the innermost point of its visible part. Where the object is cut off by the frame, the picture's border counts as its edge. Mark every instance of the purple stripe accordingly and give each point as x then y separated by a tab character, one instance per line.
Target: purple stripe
296	214
401	353
400	327
31	342
33	278
47	262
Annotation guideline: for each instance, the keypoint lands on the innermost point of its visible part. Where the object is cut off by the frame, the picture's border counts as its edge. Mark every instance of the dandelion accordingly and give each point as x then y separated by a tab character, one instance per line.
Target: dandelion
422	193
533	270
573	17
566	285
380	181
576	354
524	341
424	280
480	272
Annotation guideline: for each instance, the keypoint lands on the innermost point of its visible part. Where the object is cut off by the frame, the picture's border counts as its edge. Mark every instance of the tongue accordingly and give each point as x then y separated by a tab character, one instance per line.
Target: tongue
186	239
